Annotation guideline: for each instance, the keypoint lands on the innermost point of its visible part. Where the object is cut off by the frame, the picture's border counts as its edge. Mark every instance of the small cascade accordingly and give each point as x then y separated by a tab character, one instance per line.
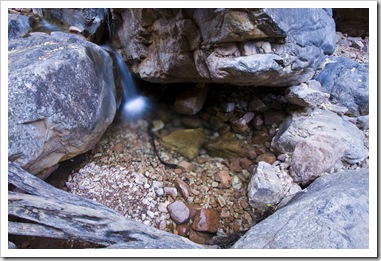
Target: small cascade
133	104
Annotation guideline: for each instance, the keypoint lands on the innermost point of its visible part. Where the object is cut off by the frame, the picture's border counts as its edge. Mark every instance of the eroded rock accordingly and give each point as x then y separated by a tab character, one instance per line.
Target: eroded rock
204	45
179	212
326	137
206	220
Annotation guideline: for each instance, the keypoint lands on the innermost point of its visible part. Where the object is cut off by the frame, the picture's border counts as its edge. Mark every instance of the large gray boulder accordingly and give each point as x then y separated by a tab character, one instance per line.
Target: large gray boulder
348	83
268	47
61	98
317	139
333	212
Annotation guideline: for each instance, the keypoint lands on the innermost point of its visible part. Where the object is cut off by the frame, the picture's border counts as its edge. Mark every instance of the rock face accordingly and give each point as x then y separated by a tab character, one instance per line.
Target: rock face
333	212
317	139
61	98
238	46
348	83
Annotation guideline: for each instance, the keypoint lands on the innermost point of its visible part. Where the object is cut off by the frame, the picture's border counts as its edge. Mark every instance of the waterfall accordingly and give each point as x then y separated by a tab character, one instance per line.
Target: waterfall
133	105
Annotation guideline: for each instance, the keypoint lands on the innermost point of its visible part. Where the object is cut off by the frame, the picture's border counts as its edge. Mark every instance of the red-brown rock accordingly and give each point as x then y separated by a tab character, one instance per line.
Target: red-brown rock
224	178
183	230
118	148
199	237
206	220
235	165
245	163
182	187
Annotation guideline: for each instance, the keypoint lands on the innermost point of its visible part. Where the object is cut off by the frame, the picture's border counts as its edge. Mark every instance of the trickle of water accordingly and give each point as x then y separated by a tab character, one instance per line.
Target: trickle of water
133	105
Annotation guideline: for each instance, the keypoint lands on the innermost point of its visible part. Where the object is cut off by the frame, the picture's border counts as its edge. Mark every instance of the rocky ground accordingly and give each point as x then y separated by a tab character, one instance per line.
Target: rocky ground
204	197
123	172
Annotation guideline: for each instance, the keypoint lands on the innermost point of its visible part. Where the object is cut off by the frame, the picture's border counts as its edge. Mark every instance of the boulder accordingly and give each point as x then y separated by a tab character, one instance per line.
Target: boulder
317	139
333	212
18	26
348	83
238	46
61	98
91	22
227	146
189	101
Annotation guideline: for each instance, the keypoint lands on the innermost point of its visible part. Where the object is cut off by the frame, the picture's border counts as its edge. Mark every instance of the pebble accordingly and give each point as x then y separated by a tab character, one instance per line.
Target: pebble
182	187
162	208
207	220
183	230
246	163
178	211
170	191
235	165
236	183
248	116
187	166
228	107
118	148
224	178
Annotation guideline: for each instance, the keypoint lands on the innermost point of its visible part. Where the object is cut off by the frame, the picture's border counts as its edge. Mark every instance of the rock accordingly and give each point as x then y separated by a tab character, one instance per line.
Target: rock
175	45
224	178
91	22
206	220
246	163
183	230
326	125
235	165
357	44
260	137
305	96
313	156
248	116
18	26
226	146
187	142
193	208
74	29
269	185
199	237
363	122
348	83
239	125
179	212
181	243
267	157
332	213
182	187
170	191
11	245
189	101
187	166
273	117
236	183
61	98
118	148
258	106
